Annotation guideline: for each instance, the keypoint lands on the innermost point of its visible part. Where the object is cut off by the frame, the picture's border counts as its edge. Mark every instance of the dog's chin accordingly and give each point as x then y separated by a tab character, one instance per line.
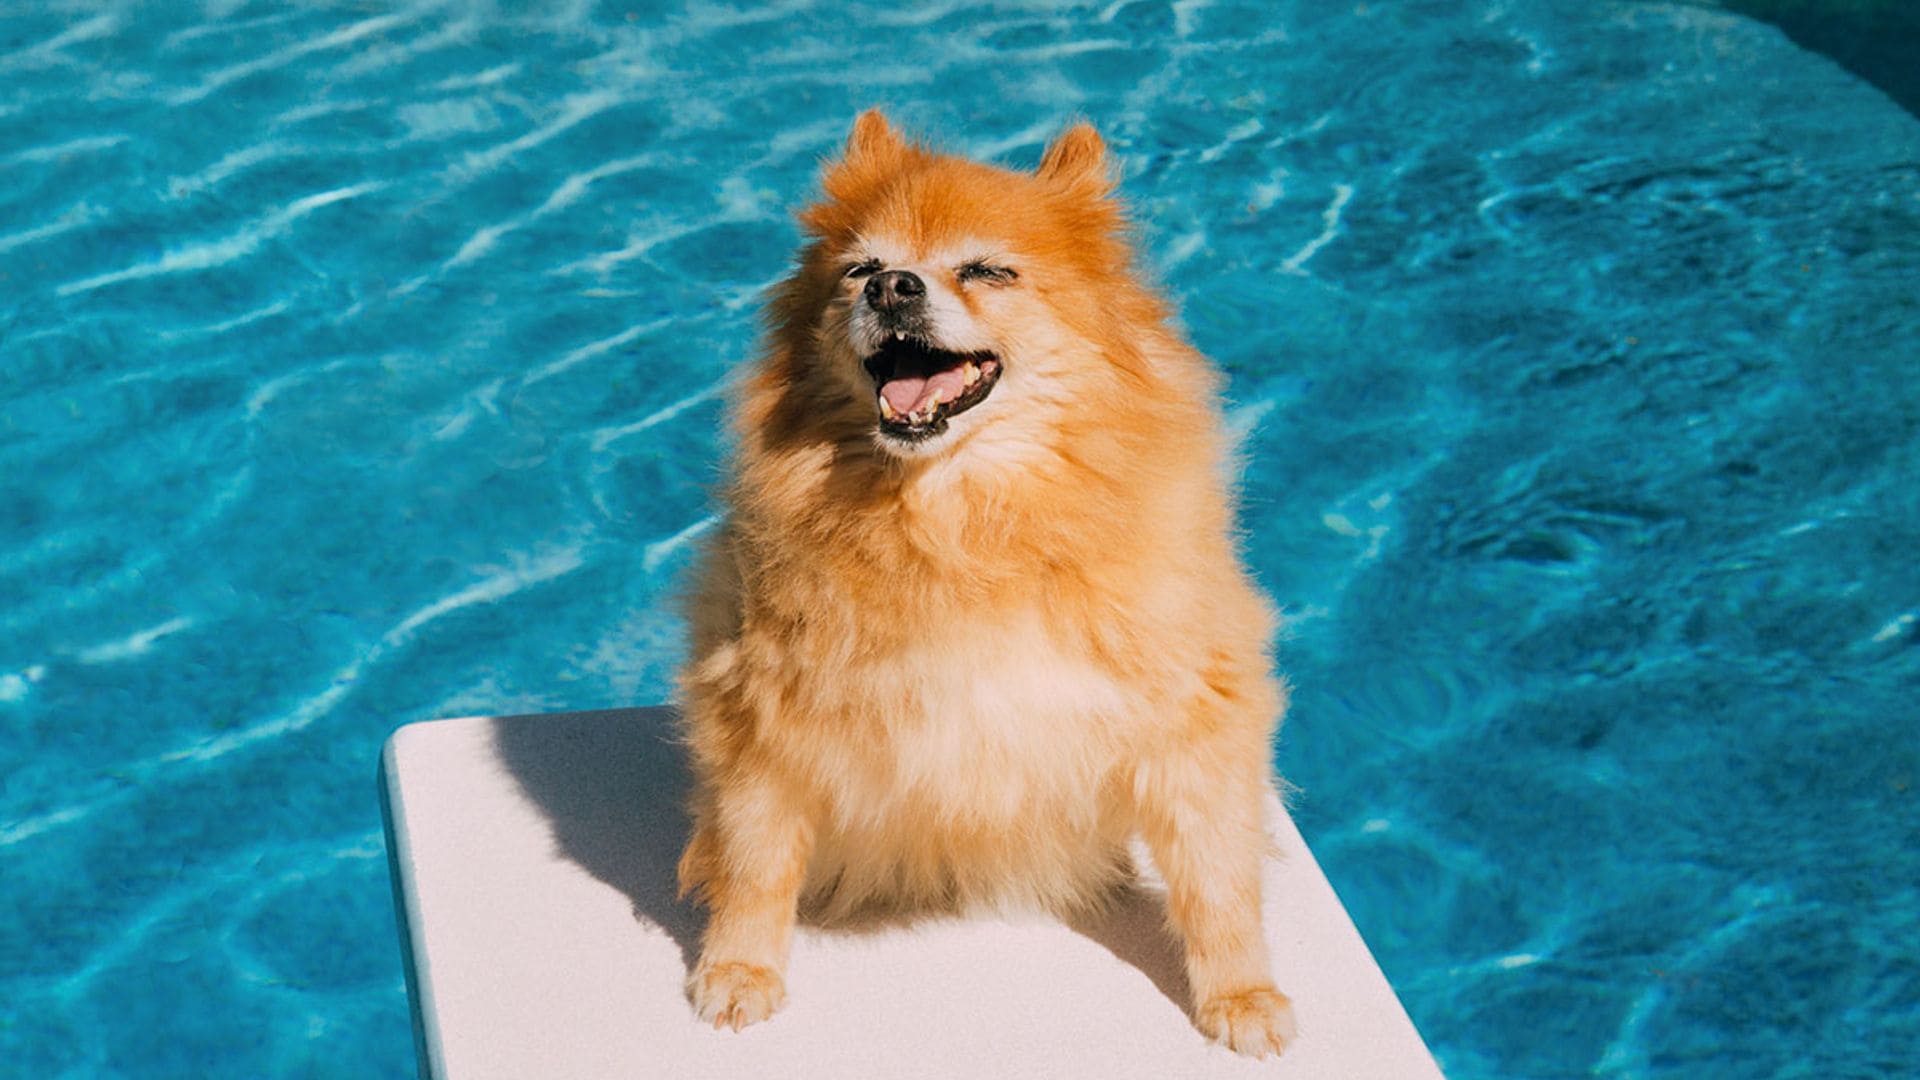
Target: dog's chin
916	449
920	389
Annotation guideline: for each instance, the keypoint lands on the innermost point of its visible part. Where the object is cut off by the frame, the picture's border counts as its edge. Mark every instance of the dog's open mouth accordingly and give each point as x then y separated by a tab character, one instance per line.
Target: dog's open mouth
920	387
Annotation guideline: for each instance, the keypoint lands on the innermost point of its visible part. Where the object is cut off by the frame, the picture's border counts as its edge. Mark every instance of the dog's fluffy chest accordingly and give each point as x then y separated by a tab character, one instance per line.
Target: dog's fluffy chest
980	772
986	725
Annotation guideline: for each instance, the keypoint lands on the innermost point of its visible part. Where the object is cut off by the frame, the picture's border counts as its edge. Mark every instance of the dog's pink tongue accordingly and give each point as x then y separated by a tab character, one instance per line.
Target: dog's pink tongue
910	393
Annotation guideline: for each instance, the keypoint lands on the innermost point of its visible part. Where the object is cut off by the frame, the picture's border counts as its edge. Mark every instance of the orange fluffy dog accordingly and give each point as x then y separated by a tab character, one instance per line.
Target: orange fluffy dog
977	617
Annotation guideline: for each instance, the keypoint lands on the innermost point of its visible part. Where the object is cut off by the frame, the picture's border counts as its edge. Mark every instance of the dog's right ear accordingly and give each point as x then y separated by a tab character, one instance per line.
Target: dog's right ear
873	138
875	151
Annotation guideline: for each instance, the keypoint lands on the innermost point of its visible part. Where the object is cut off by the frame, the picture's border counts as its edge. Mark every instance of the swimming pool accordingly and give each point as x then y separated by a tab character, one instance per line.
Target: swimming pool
360	364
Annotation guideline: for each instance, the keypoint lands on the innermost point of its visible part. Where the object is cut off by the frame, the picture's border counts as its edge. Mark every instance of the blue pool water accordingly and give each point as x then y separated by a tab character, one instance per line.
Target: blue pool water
359	364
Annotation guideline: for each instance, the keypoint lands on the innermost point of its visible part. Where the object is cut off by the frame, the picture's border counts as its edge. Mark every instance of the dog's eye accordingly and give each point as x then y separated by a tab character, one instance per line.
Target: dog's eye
988	273
862	269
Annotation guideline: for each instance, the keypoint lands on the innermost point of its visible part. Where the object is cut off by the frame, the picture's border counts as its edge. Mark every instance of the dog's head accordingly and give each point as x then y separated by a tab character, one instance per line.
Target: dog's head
943	301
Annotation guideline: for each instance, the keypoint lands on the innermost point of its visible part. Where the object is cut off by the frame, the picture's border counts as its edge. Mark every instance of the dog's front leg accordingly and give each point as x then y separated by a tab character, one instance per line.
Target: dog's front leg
748	858
1200	808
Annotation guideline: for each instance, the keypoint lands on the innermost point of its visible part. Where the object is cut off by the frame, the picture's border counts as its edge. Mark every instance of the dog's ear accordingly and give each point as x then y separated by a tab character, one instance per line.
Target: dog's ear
1077	159
874	138
875	151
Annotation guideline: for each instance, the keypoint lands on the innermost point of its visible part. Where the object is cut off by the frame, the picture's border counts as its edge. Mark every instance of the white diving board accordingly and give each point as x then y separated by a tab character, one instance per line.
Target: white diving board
533	862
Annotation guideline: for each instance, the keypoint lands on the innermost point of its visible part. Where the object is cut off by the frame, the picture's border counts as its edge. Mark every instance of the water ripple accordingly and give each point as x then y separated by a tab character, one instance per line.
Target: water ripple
134	645
46	52
346	35
69	219
1329	231
573	111
524	574
239	245
87	144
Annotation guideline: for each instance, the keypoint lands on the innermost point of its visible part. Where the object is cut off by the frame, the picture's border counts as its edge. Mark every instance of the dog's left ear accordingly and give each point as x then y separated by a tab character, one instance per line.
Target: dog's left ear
1078	159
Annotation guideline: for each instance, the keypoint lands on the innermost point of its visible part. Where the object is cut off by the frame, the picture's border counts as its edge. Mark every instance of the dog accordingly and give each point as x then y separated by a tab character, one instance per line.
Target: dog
977	617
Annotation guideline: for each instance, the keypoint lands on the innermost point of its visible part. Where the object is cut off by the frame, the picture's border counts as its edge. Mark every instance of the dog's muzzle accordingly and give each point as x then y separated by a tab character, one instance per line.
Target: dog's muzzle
918	387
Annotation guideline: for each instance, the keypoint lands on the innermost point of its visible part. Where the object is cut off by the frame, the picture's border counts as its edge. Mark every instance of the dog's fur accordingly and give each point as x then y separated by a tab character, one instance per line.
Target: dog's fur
964	668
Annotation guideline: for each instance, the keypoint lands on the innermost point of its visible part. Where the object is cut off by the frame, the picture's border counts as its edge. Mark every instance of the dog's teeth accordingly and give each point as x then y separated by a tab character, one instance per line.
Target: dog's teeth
970	374
886	408
939	398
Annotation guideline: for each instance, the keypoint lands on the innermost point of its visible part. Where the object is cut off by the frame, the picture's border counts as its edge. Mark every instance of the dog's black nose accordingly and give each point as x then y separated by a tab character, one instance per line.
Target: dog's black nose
895	290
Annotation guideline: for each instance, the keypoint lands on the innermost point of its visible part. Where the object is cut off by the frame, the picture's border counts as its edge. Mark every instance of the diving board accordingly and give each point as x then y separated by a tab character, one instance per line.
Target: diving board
533	861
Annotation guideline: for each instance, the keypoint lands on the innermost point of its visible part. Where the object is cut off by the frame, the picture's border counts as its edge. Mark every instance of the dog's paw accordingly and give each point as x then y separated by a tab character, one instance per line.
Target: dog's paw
1256	1022
735	995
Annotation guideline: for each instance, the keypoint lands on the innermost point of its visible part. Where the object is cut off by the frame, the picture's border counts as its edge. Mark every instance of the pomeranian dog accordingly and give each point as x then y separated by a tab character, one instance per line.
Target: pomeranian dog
977	617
